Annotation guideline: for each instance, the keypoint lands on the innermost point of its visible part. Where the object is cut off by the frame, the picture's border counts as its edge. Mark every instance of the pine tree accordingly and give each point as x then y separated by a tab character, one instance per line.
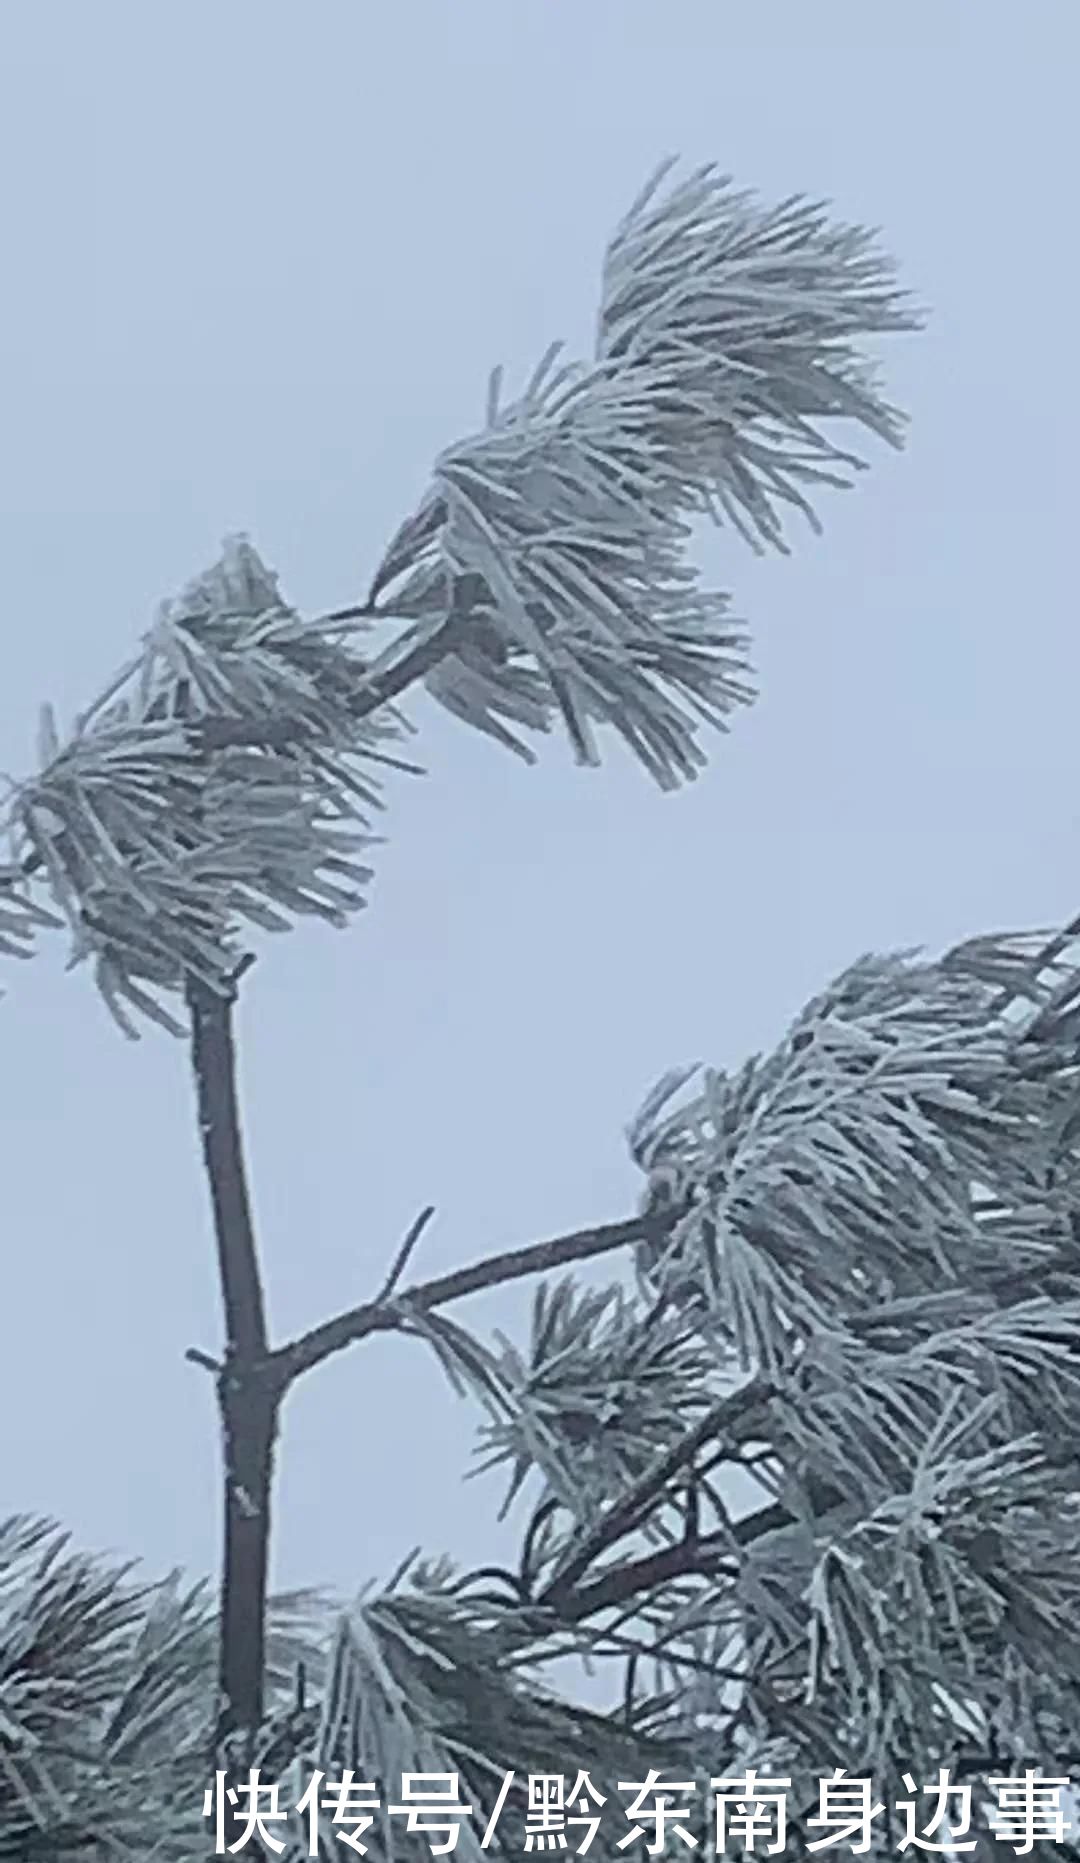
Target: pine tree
856	1276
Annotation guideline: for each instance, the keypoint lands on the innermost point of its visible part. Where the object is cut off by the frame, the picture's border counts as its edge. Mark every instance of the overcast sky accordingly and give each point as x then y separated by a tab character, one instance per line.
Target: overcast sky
259	260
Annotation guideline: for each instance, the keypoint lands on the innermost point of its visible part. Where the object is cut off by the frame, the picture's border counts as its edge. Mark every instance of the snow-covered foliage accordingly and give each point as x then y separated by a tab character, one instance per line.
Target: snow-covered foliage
229	775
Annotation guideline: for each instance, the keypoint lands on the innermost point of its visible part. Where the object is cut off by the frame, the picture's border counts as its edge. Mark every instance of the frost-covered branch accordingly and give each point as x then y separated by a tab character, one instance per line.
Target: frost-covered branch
878	1222
728	333
227	778
640	1500
857	1257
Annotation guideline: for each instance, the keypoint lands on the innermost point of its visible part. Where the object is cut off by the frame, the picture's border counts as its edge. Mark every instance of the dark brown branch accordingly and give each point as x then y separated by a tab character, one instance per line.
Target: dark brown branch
195	1356
379	688
401	1260
248	1387
311	1348
741	1406
213	1059
638	1577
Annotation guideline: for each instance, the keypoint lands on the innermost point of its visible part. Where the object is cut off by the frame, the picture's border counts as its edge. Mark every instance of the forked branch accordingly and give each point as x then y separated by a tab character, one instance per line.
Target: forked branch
380	1316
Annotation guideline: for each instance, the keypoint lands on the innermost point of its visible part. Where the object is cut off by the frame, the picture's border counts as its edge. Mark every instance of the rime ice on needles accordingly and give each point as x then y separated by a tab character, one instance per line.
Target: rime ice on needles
892	1100
223	779
880	1215
429	1679
20	916
728	333
603	1386
744	326
227	776
106	1699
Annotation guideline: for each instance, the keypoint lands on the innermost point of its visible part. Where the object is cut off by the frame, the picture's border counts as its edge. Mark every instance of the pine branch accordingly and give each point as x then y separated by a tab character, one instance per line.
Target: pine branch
634	1578
632	1507
378	687
373	1316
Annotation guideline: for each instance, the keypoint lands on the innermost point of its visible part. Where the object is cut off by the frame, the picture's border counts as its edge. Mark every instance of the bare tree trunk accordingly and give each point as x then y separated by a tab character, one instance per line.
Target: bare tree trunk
248	1406
249	1394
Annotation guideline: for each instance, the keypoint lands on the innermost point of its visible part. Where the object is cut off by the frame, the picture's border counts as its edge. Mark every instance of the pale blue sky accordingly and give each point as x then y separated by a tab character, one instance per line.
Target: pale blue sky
259	261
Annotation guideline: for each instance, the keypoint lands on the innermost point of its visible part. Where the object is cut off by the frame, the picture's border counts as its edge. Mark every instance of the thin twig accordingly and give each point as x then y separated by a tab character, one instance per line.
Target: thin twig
416	1230
196	1357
